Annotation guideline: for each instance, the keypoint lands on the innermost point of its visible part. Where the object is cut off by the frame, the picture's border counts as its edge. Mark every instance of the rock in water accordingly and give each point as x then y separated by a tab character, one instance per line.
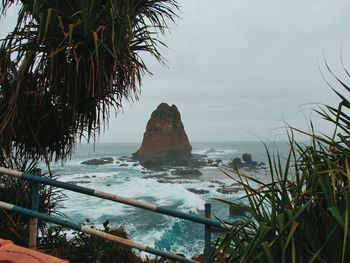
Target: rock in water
247	157
165	136
99	161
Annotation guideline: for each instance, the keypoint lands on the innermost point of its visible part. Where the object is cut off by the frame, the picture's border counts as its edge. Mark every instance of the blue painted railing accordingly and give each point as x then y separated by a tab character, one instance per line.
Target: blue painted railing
33	213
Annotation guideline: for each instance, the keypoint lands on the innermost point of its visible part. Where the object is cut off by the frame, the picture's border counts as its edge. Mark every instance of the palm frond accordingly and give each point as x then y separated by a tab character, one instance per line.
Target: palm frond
68	63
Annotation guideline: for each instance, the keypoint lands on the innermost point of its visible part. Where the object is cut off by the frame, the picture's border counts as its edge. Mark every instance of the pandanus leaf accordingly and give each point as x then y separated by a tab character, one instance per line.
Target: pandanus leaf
75	61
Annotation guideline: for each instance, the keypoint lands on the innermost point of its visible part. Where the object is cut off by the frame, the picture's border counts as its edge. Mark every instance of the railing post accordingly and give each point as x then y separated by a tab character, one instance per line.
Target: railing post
33	222
207	235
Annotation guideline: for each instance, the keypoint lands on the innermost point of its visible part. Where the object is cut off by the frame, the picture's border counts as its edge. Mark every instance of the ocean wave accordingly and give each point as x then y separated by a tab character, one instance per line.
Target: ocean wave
126	179
214	151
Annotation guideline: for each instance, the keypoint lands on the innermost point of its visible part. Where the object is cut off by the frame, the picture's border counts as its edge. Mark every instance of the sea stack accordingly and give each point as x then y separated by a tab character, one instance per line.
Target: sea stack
165	136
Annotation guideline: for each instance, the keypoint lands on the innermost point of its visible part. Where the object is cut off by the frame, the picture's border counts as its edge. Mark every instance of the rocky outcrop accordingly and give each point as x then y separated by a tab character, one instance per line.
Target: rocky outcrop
236	163
230	189
187	172
165	136
99	161
248	163
180	176
198	191
196	161
247	157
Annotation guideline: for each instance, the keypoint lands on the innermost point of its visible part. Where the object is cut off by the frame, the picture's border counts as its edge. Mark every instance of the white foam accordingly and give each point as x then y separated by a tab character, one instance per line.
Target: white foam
212	151
151	237
94	178
92	207
164	194
195	249
127	180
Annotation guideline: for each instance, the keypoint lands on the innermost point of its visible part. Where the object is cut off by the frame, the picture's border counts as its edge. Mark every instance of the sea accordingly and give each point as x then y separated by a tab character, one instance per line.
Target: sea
129	179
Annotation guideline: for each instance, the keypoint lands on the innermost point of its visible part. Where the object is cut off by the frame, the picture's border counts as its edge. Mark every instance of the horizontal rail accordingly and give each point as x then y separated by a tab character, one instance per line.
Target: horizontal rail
115	198
94	232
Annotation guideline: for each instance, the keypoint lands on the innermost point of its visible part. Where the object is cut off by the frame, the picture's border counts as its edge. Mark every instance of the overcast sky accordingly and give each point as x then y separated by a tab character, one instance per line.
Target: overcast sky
237	69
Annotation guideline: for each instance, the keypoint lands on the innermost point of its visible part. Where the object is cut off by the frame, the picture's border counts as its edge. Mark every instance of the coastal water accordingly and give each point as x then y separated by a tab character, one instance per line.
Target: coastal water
130	179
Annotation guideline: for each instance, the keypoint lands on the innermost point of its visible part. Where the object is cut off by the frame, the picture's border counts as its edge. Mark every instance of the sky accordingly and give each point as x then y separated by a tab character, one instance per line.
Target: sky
238	70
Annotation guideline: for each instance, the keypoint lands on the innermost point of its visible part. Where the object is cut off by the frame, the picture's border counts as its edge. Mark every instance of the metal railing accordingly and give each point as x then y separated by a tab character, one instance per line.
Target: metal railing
33	213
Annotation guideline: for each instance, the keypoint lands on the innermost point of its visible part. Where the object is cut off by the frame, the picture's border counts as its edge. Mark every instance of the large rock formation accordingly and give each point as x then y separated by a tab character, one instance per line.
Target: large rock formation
165	136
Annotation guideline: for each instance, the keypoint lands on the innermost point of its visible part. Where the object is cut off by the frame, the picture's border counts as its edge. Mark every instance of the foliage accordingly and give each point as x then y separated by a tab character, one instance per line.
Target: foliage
67	63
302	214
16	191
81	247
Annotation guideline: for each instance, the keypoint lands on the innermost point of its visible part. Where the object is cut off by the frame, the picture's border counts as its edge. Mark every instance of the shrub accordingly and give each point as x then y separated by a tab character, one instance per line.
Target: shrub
17	191
82	248
302	214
